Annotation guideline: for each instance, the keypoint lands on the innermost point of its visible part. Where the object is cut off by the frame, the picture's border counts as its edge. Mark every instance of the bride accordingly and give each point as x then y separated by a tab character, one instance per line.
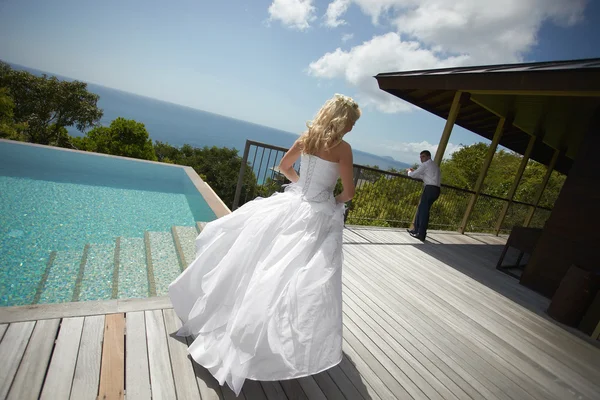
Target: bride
263	298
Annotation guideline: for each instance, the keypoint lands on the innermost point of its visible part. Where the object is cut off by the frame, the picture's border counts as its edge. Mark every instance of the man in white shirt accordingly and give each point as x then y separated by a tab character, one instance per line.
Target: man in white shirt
430	174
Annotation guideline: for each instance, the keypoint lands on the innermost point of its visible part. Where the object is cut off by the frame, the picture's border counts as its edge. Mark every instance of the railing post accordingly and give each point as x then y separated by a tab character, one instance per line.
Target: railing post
538	195
483	173
515	185
240	182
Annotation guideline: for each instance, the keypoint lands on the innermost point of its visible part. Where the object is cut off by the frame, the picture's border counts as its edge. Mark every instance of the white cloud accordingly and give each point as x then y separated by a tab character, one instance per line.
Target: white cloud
383	53
347	36
296	14
490	32
435	34
409	152
335	9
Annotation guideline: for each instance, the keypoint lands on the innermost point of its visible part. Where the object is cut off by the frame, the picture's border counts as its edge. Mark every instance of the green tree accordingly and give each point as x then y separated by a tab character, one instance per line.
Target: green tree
46	105
9	129
124	137
219	167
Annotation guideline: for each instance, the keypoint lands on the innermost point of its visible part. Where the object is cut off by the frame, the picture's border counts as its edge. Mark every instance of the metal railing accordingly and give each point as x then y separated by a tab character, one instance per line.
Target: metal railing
385	198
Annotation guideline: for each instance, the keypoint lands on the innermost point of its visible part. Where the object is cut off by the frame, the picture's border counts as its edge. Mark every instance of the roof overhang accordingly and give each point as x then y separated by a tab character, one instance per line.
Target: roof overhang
553	101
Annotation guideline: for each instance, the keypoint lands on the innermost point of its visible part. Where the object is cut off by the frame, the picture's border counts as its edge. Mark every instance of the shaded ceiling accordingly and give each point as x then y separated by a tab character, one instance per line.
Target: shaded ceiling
553	101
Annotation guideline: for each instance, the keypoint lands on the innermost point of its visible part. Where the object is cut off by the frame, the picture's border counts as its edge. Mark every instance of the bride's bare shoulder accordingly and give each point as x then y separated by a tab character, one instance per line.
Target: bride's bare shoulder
344	147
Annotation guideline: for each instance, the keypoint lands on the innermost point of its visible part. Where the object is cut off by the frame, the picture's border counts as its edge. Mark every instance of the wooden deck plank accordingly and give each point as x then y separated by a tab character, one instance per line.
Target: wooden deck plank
503	311
183	371
469	370
32	370
576	352
511	382
352	237
229	395
273	390
441	366
253	390
538	322
112	373
12	350
3	328
80	309
60	310
524	352
294	390
486	278
441	336
328	386
411	365
348	390
385	236
416	390
59	377
505	378
379	367
137	375
208	385
161	375
87	371
363	387
369	374
309	388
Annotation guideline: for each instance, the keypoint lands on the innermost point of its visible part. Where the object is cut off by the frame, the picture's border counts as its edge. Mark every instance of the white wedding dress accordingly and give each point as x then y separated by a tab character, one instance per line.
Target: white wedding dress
263	298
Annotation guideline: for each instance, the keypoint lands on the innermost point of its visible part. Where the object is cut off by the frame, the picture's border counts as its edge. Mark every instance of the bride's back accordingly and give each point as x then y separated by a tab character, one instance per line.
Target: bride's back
334	154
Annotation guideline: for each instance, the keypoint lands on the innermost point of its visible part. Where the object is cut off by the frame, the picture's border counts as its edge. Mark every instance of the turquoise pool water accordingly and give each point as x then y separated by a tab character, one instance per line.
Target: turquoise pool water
70	208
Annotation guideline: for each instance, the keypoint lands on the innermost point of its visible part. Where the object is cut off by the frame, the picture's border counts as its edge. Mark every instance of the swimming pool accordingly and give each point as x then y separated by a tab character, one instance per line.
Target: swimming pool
77	226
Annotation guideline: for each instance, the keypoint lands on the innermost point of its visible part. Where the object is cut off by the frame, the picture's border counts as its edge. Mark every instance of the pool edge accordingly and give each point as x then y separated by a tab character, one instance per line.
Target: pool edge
33	312
212	199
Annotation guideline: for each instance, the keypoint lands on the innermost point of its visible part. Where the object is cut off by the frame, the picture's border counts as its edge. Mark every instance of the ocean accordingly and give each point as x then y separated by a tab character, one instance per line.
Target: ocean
179	125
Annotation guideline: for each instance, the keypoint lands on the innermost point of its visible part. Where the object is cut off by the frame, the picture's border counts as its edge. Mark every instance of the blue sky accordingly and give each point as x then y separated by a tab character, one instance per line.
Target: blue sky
274	62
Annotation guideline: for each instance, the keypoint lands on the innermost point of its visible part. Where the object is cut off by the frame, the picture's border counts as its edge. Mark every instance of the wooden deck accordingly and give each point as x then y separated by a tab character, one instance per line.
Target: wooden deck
430	320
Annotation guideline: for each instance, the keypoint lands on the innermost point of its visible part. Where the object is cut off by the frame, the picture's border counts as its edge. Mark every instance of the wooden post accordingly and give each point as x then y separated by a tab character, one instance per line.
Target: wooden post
483	173
439	154
515	185
454	110
542	187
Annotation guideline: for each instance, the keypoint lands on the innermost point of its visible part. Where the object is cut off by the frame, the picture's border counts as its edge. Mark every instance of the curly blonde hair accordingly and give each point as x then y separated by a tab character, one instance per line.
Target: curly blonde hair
330	124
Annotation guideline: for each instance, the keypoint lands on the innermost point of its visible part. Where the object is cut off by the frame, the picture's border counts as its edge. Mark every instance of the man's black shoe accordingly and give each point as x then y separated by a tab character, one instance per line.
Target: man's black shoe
411	232
416	236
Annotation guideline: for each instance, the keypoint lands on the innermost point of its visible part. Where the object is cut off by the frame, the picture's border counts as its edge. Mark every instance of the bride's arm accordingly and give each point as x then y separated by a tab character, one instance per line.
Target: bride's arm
286	166
346	173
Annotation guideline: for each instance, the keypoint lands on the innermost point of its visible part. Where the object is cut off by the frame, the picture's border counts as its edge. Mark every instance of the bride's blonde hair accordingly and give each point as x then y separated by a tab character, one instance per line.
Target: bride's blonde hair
330	124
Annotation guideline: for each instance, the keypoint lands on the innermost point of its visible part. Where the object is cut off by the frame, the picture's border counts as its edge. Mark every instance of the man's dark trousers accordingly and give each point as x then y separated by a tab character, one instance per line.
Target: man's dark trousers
429	196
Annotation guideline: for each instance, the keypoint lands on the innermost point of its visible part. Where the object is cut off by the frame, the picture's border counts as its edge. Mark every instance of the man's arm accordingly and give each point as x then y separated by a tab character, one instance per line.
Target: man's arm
418	173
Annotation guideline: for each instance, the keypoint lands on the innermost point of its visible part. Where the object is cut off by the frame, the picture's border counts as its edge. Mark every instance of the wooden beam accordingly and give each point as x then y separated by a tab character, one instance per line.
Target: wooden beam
515	185
430	95
560	93
454	110
542	187
483	173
